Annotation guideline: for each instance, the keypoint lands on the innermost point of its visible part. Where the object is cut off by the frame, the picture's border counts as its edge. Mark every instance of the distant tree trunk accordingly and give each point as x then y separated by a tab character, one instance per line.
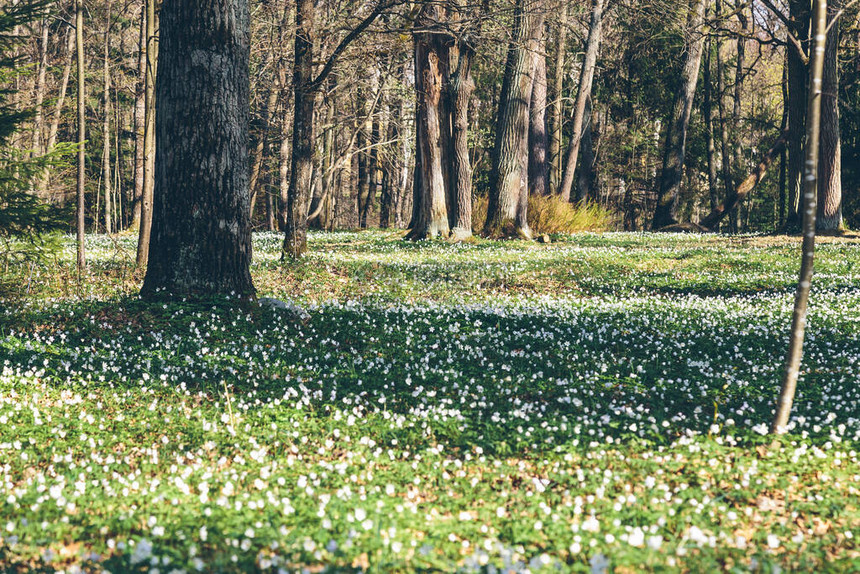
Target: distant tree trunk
801	299
556	109
586	78
507	213
201	232
259	151
830	166
321	216
725	147
305	88
301	167
433	154
538	139
676	134
708	112
106	122
82	133
737	136
461	88
585	175
797	97
149	138
58	109
38	118
140	121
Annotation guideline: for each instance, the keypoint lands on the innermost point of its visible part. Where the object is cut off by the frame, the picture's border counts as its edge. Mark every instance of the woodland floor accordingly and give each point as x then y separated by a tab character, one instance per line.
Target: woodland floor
596	404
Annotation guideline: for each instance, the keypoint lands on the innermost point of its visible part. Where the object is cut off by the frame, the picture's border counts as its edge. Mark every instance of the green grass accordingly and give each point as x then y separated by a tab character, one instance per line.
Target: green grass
597	403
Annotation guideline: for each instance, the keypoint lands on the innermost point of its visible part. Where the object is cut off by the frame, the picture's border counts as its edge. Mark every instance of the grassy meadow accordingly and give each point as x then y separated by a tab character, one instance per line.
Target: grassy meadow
597	404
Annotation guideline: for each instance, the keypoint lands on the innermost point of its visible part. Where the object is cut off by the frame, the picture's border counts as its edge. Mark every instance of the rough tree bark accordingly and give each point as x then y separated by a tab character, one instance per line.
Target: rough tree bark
201	232
586	79
830	163
433	140
538	138
810	194
507	212
460	89
676	134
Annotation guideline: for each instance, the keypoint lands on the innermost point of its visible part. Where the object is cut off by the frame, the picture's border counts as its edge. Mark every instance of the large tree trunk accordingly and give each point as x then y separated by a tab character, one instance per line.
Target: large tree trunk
201	232
830	166
507	212
556	109
586	78
432	123
676	135
301	167
140	121
149	138
797	97
538	139
461	87
82	134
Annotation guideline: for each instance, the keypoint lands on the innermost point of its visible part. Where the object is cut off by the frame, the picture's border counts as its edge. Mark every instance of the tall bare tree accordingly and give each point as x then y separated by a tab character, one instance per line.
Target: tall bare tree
810	208
586	80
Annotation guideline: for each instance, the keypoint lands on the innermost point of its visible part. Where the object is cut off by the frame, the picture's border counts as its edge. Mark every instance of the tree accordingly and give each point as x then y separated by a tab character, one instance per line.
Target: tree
201	233
507	211
586	78
305	87
149	138
830	167
80	214
24	217
444	39
810	195
676	133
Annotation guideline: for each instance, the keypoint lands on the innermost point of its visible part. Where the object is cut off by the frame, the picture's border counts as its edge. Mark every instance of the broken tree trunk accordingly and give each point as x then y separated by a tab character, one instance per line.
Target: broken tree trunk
740	193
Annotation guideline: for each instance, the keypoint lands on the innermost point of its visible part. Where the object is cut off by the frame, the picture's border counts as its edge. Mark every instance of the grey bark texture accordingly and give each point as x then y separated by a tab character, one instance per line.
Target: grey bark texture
676	134
432	126
507	211
201	233
586	80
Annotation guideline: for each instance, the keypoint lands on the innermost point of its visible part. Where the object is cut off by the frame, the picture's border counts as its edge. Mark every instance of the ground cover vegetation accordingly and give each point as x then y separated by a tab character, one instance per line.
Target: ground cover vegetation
595	404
